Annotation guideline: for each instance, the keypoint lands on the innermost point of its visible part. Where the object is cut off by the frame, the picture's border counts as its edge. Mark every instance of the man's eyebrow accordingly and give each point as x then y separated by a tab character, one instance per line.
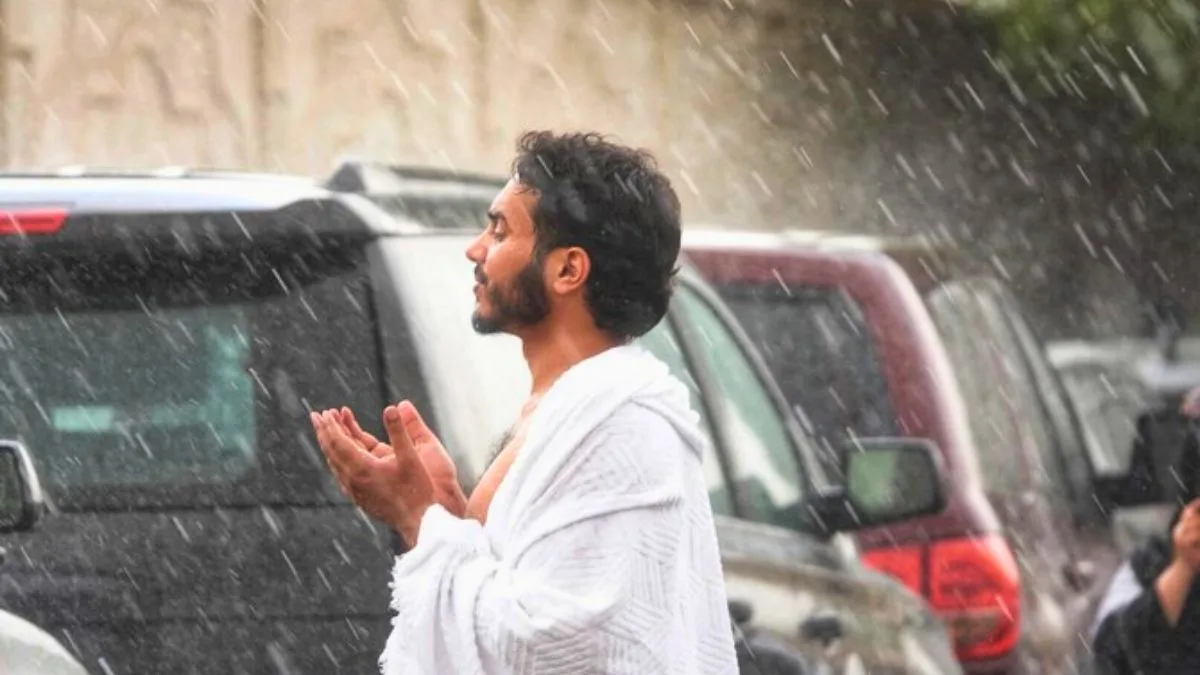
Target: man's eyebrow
495	216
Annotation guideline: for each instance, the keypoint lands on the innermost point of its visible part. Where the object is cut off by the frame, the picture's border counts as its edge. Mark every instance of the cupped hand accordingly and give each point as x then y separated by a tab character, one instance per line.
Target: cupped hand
387	481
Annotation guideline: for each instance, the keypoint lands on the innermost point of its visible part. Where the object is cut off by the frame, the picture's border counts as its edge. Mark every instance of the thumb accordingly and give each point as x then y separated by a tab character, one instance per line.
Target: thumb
413	423
398	436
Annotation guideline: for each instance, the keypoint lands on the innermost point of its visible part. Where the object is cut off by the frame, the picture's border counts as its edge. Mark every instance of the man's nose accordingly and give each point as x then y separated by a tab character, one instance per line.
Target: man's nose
477	250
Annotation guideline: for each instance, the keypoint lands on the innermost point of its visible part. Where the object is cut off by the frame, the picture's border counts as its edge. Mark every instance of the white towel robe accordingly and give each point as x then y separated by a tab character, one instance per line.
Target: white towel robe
599	554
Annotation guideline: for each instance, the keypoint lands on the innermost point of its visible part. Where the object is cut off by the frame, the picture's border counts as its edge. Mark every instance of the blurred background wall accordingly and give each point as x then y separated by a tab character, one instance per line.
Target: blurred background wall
878	115
294	84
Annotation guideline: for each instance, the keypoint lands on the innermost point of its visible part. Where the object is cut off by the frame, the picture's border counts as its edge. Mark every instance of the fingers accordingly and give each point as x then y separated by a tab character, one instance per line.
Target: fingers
398	436
356	431
346	456
372	444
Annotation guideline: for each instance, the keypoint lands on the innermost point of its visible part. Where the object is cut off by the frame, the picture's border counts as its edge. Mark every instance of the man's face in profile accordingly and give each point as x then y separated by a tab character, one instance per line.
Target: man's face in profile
510	292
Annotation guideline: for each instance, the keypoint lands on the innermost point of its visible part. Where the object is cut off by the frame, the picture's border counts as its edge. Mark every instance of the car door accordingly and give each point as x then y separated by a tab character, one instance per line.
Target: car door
803	590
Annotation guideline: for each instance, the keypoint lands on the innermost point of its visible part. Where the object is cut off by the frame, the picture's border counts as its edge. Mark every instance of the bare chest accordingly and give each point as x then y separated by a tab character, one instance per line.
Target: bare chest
481	498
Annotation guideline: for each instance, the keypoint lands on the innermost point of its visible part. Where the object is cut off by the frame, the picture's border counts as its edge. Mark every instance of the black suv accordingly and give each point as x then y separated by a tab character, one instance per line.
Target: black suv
162	338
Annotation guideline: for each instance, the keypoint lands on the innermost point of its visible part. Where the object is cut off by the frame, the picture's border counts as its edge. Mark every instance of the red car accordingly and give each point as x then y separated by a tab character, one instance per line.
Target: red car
855	350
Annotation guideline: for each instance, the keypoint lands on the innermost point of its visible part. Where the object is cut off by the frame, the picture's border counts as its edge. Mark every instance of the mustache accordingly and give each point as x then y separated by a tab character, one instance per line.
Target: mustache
480	277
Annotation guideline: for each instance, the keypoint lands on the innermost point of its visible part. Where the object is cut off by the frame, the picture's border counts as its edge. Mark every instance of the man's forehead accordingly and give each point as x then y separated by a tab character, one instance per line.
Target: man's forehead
514	199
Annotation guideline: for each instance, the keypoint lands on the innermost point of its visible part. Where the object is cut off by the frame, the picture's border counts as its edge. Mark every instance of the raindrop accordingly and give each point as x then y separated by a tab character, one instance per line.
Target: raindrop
887	213
1133	55
1086	242
933	177
762	184
1135	95
337	545
1025	178
788	62
878	103
1113	259
329	655
279	659
182	532
272	522
291	566
832	50
782	283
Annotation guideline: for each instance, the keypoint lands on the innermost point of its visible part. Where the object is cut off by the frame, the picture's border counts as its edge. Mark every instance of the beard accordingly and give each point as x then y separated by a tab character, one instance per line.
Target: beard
520	303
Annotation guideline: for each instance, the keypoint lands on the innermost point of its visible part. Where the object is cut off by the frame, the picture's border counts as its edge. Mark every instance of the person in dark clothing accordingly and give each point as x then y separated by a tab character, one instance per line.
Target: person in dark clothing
1149	620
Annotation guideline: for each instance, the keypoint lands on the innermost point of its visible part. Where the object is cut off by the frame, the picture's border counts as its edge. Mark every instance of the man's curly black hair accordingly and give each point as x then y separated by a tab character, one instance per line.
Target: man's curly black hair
613	202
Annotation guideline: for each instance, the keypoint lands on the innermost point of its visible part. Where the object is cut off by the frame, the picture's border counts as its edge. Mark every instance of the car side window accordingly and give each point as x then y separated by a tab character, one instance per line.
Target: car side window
1011	433
661	342
816	341
761	452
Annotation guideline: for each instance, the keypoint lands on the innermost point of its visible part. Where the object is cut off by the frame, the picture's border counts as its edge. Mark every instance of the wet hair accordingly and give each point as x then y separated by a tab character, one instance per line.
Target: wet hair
614	203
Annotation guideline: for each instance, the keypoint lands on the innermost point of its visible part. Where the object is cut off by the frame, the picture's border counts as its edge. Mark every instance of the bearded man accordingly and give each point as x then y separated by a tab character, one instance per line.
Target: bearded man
588	545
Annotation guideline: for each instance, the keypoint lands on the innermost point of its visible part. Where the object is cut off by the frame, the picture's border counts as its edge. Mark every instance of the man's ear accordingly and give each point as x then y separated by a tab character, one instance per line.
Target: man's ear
568	270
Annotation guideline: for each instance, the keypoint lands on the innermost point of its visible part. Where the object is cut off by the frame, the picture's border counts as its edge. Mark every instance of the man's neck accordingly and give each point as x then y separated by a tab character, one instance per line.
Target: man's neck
551	354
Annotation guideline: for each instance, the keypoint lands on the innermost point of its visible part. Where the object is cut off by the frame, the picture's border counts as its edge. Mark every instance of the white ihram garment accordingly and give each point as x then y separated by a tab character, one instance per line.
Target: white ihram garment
599	554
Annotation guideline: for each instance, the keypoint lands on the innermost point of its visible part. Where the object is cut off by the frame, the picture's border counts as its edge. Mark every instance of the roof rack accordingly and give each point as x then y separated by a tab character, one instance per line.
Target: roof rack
378	178
172	171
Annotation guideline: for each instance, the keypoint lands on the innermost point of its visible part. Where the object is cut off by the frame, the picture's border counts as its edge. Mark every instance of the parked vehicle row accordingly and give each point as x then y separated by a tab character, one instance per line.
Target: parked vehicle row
872	335
849	339
164	337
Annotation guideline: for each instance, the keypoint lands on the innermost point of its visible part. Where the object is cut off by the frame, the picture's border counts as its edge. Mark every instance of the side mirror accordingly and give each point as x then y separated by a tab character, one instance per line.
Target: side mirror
22	502
887	480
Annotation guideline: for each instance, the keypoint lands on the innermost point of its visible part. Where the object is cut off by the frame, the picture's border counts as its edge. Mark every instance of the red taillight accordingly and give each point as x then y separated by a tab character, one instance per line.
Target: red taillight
31	221
973	583
976	585
904	563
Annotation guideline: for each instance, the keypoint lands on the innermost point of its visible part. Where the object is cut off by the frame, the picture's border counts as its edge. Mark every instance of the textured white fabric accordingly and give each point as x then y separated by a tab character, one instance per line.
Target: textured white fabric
599	554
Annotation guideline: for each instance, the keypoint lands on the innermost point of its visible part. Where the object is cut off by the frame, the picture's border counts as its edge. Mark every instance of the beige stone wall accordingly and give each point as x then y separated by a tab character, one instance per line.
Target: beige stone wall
292	85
